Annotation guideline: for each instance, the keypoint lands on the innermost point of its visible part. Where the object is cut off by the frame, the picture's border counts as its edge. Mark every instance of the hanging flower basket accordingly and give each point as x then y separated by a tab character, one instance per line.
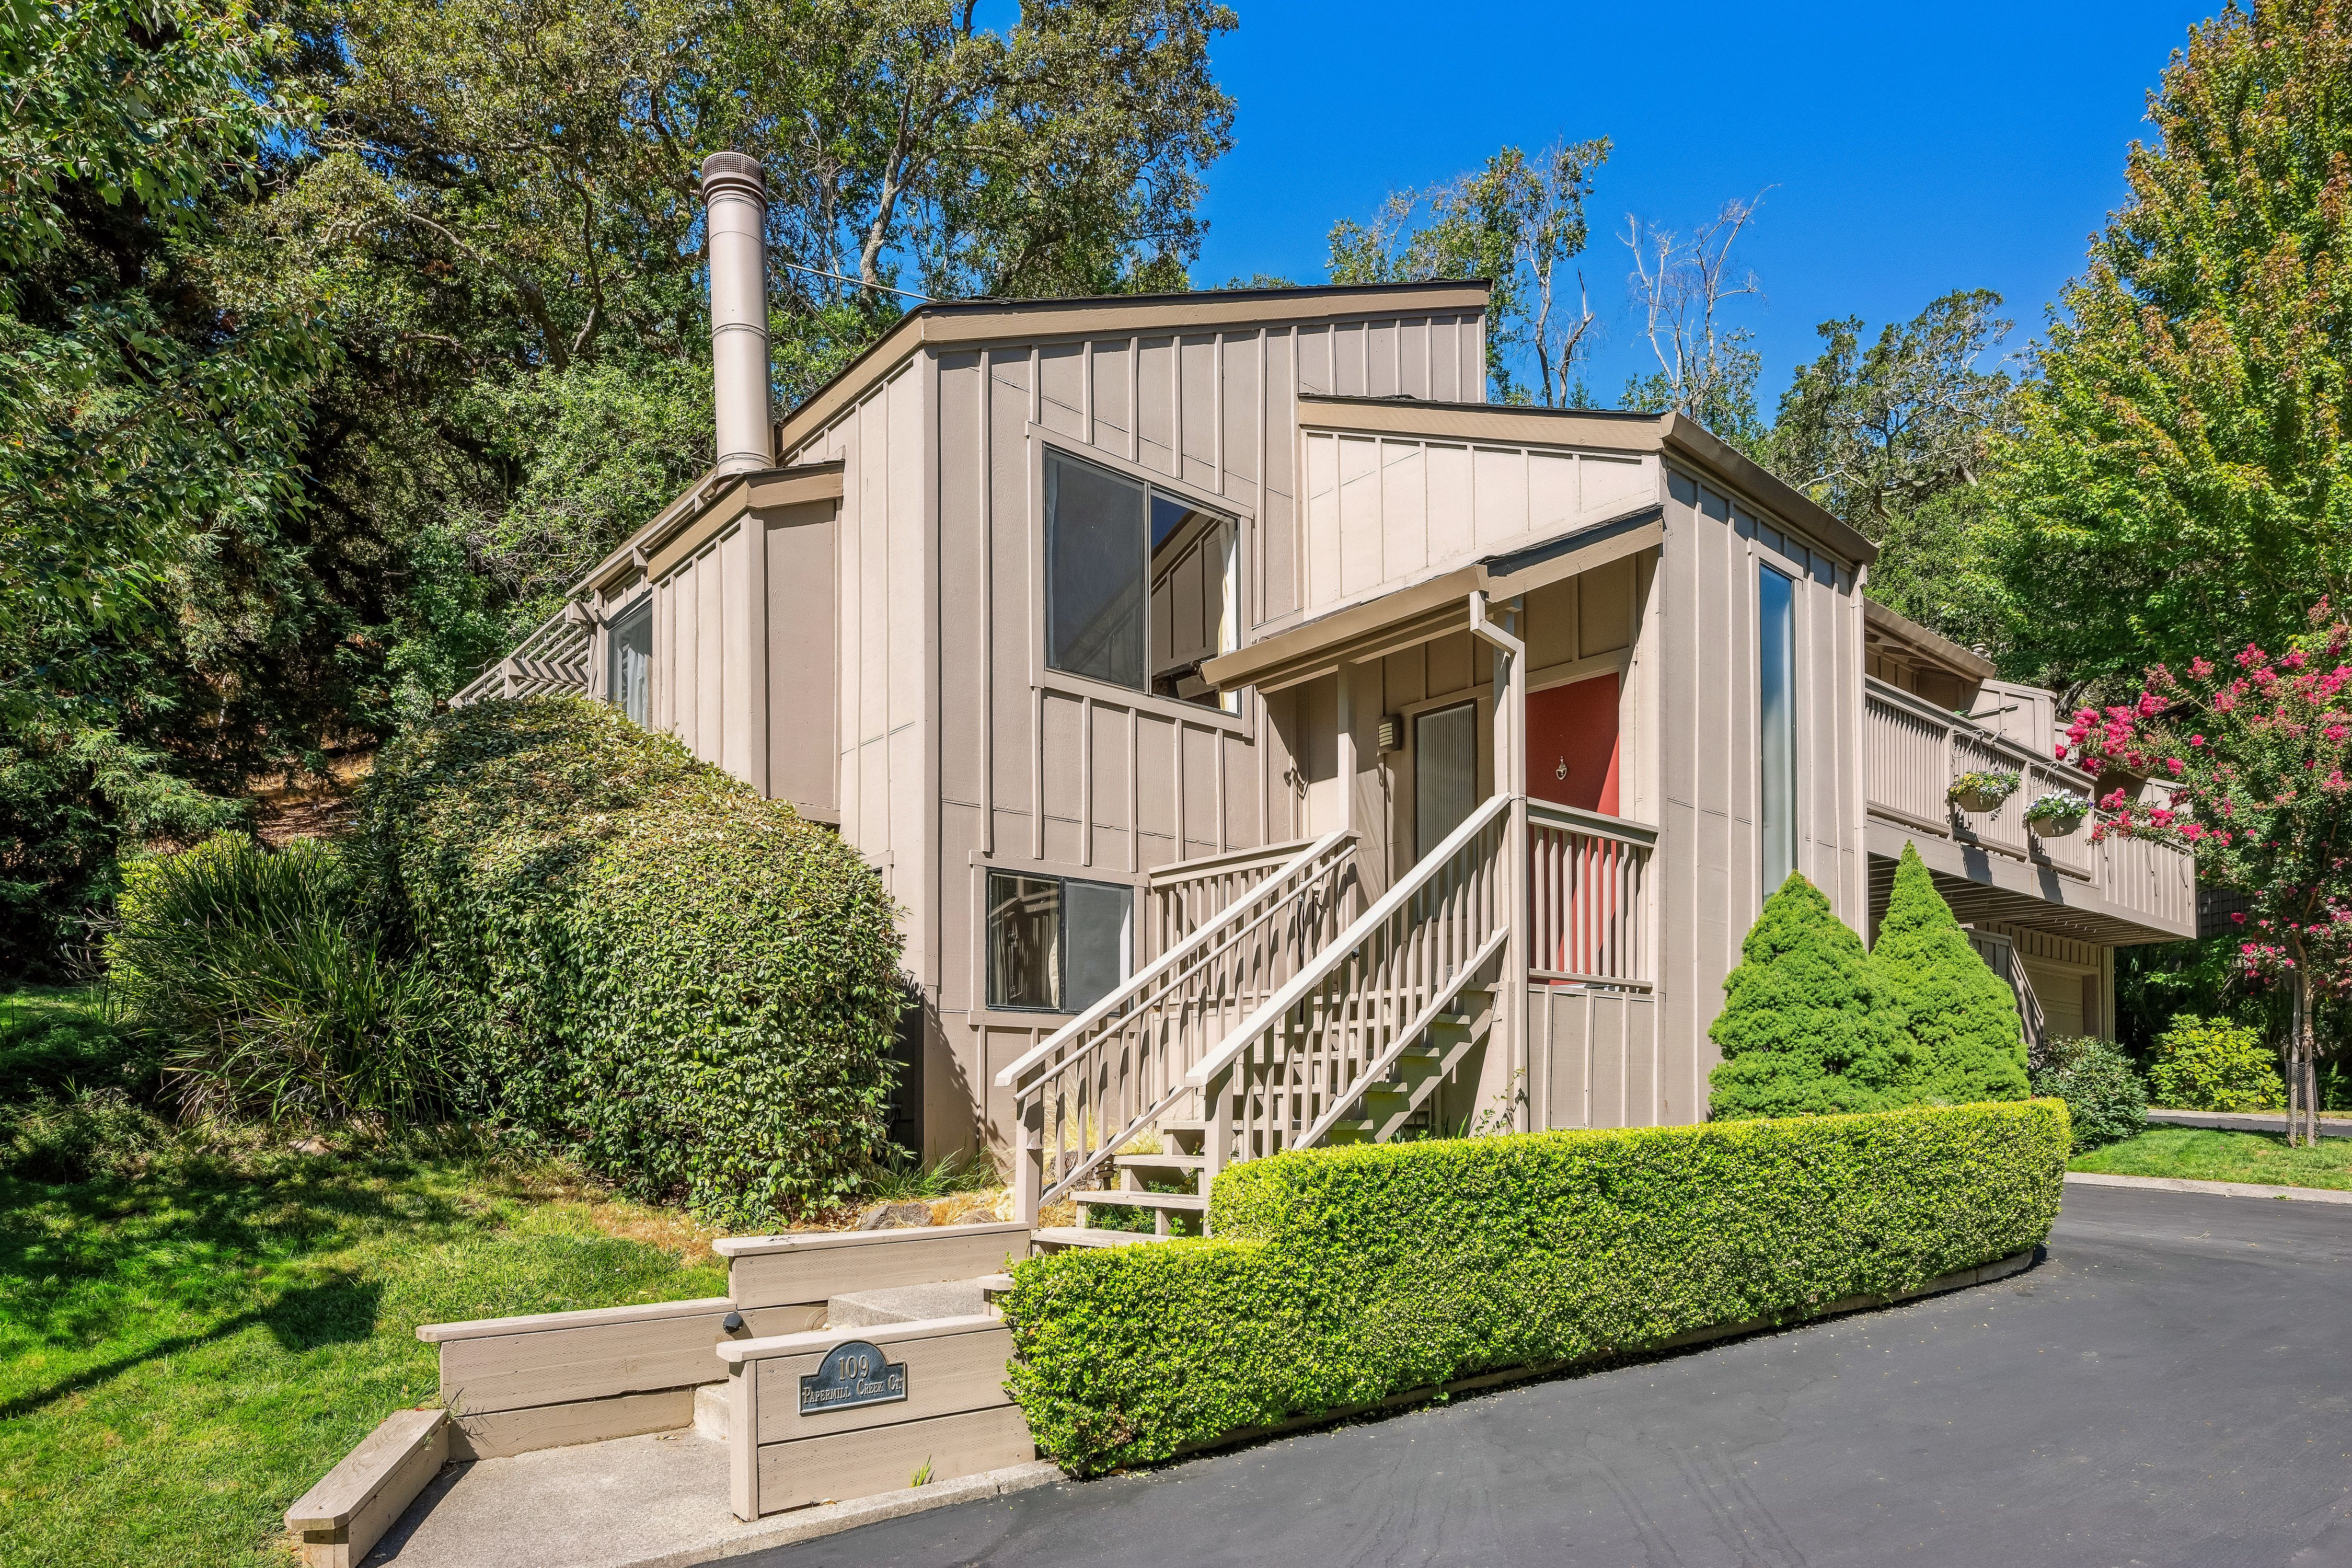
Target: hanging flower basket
2057	814
1982	791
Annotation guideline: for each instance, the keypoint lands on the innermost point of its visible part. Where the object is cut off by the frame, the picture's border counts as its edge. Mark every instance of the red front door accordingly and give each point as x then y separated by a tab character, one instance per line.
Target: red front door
1572	744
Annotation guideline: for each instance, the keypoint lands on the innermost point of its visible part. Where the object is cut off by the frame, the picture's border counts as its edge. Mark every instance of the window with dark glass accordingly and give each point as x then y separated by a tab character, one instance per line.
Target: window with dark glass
1054	942
1139	584
629	675
1776	663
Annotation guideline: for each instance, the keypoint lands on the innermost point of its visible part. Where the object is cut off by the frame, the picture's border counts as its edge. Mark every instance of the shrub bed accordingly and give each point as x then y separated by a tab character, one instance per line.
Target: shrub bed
689	988
2212	1064
2105	1100
1338	1278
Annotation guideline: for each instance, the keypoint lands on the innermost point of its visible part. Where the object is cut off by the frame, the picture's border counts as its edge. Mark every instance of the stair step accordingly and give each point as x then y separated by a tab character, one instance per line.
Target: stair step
1161	1161
1186	1203
1059	1236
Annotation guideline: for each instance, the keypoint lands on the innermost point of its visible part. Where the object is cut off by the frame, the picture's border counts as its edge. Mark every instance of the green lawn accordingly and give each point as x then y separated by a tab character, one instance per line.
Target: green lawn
185	1347
2208	1155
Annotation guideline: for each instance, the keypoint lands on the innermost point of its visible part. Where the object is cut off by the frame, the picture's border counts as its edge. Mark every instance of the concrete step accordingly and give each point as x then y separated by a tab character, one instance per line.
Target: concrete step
1055	1237
906	1304
713	1411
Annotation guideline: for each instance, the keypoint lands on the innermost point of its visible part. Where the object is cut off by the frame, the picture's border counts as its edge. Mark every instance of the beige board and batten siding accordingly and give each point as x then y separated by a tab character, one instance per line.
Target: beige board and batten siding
1710	862
959	751
1387	507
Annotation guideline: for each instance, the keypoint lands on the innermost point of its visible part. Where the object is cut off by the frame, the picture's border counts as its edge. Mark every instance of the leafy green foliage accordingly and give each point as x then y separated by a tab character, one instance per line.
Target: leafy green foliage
1805	1028
2212	1064
1960	1017
686	987
259	979
1338	1278
2105	1101
1519	221
2178	480
1873	434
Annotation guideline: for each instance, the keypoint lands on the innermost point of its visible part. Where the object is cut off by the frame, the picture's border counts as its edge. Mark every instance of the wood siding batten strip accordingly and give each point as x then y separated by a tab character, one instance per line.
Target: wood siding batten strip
982	480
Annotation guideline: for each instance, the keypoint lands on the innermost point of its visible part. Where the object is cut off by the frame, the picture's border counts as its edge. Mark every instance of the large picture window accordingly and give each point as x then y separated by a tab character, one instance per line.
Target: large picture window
629	677
1140	586
1055	944
1776	666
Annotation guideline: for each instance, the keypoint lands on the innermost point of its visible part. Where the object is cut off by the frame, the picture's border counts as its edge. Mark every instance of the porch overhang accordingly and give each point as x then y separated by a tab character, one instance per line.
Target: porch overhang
1982	885
1434	607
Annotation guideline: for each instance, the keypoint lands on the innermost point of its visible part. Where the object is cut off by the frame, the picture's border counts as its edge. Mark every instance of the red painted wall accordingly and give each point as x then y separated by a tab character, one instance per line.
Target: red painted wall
1574	729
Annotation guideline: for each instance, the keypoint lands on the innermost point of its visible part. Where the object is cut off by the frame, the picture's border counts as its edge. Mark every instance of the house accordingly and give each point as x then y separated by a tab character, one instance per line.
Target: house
1271	742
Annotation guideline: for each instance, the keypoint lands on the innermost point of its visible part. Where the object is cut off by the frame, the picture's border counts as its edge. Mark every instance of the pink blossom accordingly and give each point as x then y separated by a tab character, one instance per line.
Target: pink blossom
2149	705
2201	666
2251	655
2196	740
2177	765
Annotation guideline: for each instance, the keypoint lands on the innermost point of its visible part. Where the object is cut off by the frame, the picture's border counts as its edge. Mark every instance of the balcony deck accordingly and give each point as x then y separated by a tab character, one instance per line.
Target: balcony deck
1991	864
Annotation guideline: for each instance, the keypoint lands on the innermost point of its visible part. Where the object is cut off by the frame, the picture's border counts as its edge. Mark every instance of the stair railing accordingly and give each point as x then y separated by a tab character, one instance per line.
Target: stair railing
1091	1087
1300	1061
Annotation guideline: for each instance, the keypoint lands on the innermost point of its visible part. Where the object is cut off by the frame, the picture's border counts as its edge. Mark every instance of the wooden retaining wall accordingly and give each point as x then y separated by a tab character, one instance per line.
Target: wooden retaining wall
514	1384
956	1419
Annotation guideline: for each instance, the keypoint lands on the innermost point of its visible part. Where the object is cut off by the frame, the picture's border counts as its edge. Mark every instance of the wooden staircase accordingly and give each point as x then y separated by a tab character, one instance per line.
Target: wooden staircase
1352	1047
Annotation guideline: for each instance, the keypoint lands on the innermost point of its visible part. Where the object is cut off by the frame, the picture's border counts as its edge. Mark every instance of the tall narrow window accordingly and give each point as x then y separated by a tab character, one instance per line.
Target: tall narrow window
1776	665
1095	571
1054	943
1140	586
629	677
1445	773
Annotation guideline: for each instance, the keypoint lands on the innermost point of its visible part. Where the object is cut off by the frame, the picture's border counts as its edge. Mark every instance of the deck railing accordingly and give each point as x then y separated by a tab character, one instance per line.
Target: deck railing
553	658
1587	897
1914	749
1111	1073
1299	1062
1182	897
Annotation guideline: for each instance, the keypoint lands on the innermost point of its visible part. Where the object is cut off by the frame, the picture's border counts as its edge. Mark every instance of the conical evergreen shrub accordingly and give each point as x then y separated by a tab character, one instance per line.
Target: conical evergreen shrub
1960	1015
1804	1030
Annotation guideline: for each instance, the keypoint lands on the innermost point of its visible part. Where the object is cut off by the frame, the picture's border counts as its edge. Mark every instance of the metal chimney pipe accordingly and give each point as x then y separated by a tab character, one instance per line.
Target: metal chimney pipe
736	200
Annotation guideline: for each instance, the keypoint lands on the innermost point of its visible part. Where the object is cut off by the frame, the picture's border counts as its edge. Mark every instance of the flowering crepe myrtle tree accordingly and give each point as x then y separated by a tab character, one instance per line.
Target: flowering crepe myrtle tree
2256	749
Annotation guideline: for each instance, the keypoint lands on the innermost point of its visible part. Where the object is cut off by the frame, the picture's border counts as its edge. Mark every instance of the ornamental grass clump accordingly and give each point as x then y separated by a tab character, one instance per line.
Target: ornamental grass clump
689	989
261	980
1805	1029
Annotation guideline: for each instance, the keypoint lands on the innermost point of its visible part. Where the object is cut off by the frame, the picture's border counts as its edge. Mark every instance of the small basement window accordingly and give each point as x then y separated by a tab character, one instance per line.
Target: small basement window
629	678
1054	944
1140	586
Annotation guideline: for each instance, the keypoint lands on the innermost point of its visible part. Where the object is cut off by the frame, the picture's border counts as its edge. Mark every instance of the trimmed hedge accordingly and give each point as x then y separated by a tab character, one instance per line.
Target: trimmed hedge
1340	1277
687	987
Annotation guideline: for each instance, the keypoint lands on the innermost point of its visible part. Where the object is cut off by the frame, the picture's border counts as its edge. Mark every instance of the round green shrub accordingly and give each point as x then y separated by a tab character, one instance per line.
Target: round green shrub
1804	1030
689	988
1959	1015
2212	1064
258	977
2103	1092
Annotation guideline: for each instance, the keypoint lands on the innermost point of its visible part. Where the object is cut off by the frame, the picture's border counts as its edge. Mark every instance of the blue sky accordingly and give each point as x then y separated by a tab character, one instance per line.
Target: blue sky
1909	150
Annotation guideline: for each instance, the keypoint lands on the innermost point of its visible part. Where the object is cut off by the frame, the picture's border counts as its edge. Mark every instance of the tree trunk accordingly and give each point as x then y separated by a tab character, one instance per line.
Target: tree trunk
2298	1065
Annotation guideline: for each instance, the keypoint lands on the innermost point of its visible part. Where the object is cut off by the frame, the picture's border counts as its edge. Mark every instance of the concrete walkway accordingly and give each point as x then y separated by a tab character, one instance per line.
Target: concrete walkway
2164	1390
2249	1121
657	1501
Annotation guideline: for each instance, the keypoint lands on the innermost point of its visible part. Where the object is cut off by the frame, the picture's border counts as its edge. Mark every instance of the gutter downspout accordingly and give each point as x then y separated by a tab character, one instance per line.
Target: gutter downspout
1511	776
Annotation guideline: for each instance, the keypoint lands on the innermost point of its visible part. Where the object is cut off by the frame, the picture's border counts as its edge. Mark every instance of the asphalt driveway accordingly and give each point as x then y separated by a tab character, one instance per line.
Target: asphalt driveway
2170	1385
